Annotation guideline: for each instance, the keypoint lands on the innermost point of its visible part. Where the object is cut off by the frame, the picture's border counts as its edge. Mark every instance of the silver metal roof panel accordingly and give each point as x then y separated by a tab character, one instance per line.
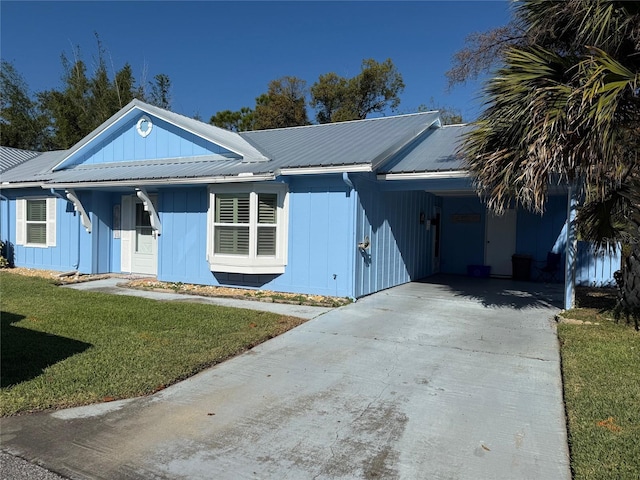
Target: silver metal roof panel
11	157
35	169
436	152
345	143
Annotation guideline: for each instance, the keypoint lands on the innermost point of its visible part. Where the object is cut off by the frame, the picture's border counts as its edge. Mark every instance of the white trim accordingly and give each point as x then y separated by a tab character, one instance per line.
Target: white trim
163	181
141	120
50	222
149	207
366	167
77	205
51	206
22	185
252	263
21	224
425	175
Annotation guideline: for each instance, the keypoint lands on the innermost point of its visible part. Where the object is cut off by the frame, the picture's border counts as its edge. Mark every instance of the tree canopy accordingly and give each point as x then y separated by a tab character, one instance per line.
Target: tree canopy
376	87
60	117
336	99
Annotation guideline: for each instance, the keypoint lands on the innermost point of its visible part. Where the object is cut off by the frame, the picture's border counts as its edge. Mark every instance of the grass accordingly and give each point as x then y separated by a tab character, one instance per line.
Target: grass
601	376
63	347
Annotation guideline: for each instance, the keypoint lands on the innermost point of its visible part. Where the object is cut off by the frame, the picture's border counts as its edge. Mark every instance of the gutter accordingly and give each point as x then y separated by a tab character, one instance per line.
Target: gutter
361	167
240	178
425	175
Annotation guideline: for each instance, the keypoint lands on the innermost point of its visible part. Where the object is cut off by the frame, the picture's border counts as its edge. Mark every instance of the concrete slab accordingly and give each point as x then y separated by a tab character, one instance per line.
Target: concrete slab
454	378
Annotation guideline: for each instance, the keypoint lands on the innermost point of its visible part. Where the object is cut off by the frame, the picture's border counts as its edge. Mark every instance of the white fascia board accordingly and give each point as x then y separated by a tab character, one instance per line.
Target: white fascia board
163	181
8	185
424	175
105	126
366	167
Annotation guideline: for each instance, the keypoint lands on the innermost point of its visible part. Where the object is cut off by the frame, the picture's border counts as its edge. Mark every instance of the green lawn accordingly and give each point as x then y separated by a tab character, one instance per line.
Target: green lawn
63	347
601	375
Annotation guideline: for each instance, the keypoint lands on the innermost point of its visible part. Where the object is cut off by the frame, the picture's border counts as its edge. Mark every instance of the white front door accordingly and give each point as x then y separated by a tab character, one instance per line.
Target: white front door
139	239
500	242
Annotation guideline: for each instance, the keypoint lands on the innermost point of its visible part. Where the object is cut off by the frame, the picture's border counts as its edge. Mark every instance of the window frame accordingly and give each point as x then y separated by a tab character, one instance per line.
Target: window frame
22	222
251	263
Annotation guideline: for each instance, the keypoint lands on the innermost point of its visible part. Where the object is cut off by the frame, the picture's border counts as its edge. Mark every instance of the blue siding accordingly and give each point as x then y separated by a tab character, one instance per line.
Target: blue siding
62	257
165	141
596	268
462	241
182	247
320	237
401	248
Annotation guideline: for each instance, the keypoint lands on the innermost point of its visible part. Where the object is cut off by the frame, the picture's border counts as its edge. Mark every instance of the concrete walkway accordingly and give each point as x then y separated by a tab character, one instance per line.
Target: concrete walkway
110	285
452	379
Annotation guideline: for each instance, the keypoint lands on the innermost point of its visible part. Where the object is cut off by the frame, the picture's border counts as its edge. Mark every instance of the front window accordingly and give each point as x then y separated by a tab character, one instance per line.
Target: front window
37	222
247	232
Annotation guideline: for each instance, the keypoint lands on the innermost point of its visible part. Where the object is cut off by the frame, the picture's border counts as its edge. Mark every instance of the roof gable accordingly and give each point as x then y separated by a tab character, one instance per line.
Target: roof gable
143	132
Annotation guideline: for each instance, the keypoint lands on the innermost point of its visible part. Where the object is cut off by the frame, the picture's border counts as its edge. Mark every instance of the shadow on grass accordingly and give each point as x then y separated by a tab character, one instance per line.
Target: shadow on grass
492	292
26	353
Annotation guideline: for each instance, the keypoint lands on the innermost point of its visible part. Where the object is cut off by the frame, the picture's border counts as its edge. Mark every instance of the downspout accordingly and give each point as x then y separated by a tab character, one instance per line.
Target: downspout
5	199
352	235
348	182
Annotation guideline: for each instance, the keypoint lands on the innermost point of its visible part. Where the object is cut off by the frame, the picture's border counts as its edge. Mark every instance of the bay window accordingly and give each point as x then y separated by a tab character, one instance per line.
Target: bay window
247	230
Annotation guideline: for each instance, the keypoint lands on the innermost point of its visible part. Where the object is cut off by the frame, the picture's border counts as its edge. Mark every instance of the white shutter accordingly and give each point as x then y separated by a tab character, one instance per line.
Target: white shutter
21	224
51	221
126	245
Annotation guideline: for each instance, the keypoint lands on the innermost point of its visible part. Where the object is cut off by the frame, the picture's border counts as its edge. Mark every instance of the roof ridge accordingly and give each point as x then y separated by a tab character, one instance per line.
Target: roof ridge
401	115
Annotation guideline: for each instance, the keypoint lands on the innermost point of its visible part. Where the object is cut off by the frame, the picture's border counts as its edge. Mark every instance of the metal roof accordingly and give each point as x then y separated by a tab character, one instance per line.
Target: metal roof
345	143
11	157
36	169
404	143
435	153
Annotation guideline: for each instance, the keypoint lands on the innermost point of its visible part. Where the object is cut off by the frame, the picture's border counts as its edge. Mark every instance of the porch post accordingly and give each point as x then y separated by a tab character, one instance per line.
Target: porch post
571	252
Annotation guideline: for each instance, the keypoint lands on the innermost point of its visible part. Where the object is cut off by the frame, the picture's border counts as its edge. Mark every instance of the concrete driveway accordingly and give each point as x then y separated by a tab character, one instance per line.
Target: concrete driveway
452	379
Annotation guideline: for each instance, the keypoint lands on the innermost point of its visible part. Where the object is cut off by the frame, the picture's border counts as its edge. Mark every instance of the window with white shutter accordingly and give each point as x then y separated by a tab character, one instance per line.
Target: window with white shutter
36	222
247	230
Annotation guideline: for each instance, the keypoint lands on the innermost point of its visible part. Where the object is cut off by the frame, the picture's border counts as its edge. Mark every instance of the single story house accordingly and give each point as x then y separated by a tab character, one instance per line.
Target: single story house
343	209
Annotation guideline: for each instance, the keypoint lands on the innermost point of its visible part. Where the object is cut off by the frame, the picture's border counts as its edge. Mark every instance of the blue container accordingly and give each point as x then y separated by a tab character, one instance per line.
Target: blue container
479	271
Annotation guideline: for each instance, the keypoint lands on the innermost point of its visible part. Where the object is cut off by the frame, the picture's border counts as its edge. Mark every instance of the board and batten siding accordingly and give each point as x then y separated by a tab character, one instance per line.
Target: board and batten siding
400	246
596	268
61	257
320	241
165	141
463	234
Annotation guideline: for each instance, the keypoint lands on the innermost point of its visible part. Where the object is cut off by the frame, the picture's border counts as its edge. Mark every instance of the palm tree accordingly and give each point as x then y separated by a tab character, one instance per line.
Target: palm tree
565	108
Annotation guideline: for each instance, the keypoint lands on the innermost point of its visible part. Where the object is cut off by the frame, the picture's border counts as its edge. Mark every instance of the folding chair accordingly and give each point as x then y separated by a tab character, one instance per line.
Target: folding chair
548	271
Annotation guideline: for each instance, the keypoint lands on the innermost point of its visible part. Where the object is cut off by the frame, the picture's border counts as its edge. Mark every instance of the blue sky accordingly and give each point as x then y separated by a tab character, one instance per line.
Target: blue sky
221	55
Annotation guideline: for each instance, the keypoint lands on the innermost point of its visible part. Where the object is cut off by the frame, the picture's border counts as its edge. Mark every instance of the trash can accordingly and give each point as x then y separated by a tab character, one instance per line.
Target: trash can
521	266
